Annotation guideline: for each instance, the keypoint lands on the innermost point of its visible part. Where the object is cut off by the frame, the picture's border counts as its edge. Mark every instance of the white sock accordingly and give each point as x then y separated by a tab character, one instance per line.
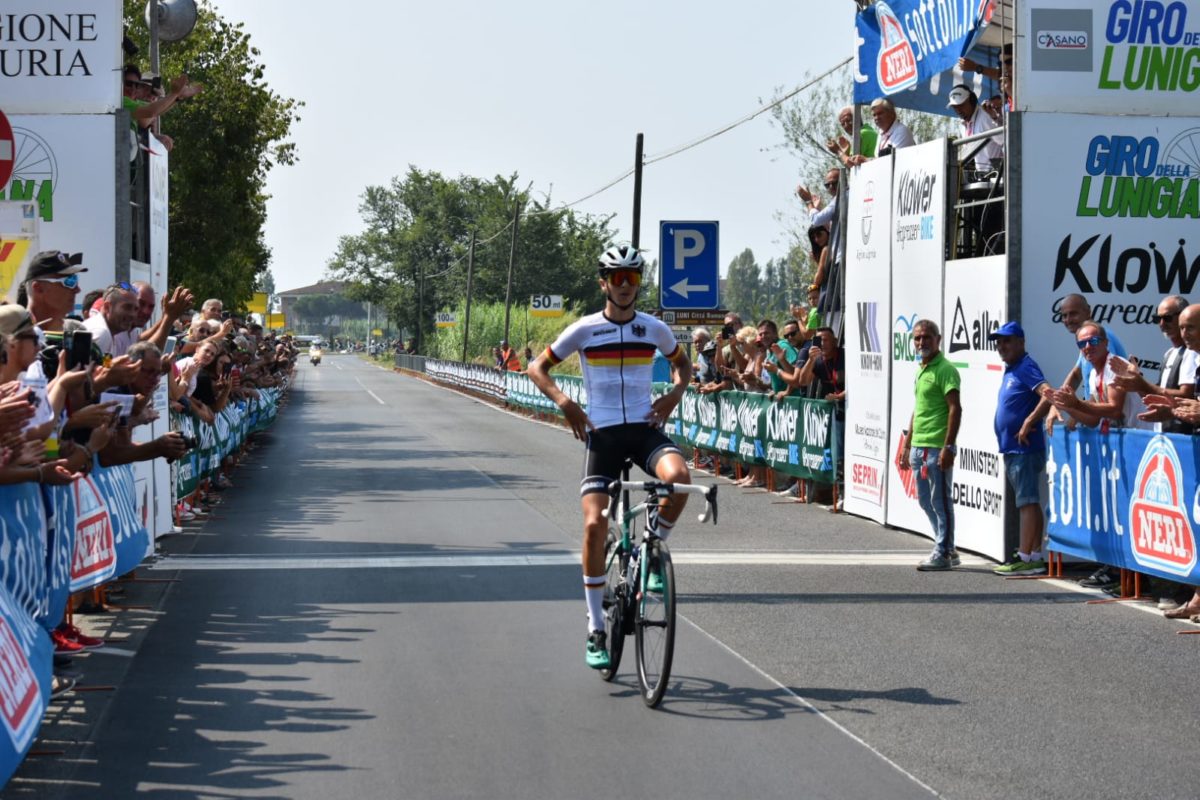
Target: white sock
593	592
1036	555
1024	556
664	528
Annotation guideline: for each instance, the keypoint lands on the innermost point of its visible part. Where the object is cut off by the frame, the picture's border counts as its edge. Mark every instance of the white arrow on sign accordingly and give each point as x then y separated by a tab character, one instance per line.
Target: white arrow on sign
683	288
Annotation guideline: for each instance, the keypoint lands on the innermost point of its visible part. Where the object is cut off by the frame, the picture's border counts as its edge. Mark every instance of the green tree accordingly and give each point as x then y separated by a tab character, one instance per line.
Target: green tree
411	259
743	286
228	139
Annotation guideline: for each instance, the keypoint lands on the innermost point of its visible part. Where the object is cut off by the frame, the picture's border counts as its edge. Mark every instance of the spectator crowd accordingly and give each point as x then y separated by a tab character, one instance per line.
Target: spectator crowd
78	380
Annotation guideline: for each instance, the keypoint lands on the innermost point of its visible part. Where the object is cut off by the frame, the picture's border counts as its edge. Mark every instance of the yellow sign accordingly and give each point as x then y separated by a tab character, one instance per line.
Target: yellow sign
258	305
274	322
445	319
377	332
12	259
546	305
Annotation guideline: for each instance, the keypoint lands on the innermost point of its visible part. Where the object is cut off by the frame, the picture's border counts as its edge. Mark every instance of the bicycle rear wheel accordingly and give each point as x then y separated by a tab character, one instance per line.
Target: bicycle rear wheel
655	625
615	592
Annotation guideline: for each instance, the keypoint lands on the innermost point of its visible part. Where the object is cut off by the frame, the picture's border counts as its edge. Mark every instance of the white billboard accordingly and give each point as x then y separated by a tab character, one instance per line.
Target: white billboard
67	163
867	342
61	56
1109	210
918	238
159	196
975	300
1109	57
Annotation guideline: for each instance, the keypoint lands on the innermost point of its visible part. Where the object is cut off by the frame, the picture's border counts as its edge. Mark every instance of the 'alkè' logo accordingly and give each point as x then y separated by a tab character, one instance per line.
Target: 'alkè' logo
972	335
1162	536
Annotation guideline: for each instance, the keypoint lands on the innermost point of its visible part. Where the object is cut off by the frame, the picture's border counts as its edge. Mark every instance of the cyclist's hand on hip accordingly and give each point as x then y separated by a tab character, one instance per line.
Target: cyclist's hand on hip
577	420
662	408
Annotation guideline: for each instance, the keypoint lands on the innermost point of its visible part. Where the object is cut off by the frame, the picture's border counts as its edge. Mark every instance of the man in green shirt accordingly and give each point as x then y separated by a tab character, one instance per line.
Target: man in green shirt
929	442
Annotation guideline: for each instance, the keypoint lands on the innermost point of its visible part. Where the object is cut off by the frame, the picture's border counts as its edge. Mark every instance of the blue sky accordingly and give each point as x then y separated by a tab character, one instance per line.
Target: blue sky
556	91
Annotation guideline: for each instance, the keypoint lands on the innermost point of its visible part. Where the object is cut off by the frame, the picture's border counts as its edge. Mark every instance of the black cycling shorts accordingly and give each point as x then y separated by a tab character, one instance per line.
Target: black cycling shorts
607	449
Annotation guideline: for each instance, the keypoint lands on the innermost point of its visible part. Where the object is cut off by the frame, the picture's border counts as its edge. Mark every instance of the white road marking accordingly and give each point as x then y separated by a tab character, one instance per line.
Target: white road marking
747	558
337	366
368	391
805	703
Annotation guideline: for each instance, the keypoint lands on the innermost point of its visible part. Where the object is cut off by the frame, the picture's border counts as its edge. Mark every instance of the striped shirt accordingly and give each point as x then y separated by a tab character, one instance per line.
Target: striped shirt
617	360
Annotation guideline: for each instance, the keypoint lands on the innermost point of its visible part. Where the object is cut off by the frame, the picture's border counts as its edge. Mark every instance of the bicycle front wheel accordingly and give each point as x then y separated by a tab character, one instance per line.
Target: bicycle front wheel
655	623
615	592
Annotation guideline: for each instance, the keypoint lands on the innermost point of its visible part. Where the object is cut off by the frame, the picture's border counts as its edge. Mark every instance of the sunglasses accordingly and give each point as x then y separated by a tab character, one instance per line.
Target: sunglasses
918	337
126	285
1094	341
789	334
1157	318
831	186
70	281
622	277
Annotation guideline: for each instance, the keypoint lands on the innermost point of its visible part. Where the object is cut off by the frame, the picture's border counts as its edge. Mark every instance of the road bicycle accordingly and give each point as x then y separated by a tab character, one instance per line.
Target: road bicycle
631	606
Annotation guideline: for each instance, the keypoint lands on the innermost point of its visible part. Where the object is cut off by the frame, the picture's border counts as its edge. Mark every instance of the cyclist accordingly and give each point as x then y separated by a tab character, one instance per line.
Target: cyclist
616	348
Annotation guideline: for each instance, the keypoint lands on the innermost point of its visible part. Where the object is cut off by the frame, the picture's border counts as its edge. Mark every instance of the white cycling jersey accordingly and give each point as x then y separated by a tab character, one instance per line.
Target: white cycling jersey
617	363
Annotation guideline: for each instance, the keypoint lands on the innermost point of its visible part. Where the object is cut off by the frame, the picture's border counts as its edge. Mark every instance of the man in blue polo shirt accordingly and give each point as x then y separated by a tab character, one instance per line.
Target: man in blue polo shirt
1019	412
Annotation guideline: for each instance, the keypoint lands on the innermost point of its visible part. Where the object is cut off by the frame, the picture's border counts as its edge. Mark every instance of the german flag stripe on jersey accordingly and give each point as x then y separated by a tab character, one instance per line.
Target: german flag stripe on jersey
620	354
553	359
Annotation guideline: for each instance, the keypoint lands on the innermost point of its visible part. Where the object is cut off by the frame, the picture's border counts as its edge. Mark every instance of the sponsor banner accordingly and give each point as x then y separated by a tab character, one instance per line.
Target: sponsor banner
1137	57
61	56
795	436
67	165
18	242
918	238
24	644
94	559
1129	499
131	542
975	299
906	43
1110	210
868	337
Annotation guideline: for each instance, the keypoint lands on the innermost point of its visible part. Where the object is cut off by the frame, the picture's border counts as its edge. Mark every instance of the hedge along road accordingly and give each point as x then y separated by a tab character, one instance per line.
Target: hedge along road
392	607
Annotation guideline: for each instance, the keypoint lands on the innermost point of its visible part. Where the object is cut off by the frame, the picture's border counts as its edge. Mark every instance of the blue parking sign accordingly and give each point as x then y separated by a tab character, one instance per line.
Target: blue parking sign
689	265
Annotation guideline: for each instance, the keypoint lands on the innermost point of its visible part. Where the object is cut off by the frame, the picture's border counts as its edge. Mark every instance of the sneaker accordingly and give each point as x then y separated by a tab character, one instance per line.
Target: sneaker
60	685
596	653
64	645
954	559
1099	579
1019	567
791	491
80	638
185	513
1168	603
935	563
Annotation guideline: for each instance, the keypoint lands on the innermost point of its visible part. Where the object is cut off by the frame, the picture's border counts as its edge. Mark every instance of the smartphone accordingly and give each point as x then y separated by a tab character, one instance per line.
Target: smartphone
169	347
79	353
228	368
226	314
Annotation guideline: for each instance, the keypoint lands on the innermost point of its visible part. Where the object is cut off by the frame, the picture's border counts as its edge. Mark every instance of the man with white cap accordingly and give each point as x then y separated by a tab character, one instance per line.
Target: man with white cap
975	120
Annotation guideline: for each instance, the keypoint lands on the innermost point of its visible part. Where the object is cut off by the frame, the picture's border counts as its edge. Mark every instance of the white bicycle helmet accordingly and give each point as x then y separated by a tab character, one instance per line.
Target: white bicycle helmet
622	257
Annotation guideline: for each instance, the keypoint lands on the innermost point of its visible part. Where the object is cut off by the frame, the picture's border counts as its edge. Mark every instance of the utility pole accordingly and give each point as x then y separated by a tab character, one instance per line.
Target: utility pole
420	308
637	192
470	277
512	258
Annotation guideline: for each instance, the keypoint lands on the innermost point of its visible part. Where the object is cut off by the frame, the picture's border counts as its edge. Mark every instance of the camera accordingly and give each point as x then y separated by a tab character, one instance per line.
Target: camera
728	332
190	441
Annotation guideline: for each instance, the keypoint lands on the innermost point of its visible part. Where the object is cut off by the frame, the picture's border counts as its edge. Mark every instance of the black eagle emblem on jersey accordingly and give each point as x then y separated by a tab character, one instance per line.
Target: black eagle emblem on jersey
639	330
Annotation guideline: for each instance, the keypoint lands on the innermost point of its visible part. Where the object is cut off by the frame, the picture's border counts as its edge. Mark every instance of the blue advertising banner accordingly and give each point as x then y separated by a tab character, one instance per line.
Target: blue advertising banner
131	540
903	44
1129	498
25	653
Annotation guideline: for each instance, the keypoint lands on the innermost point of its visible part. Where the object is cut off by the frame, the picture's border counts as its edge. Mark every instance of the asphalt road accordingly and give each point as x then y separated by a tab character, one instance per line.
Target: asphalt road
389	606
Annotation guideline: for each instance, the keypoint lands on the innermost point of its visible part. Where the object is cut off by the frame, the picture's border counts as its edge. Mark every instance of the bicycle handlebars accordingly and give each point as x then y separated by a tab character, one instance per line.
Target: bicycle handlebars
661	489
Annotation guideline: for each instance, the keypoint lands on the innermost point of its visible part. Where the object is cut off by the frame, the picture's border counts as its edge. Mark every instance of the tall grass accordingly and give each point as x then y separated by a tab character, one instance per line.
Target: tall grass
487	329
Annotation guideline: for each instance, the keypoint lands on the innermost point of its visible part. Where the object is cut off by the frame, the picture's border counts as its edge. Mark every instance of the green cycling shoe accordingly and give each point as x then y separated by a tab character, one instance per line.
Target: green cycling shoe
596	652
